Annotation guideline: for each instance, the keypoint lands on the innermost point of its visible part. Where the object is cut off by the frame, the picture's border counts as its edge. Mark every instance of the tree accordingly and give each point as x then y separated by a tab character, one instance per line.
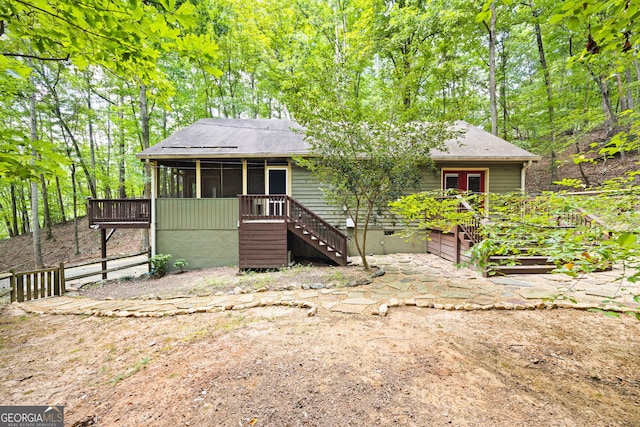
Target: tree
368	162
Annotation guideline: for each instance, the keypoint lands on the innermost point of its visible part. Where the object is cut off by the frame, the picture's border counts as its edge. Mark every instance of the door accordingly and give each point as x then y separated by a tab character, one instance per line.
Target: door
472	181
277	184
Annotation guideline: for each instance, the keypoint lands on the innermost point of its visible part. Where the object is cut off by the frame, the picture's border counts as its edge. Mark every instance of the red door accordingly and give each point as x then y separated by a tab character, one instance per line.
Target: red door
472	181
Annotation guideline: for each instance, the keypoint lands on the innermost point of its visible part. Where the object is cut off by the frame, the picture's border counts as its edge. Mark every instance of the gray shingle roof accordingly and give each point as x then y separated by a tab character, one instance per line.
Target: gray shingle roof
217	138
260	138
478	144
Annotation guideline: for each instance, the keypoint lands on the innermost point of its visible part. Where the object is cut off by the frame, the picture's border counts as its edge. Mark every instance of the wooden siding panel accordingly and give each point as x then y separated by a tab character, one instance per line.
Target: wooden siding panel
197	214
263	245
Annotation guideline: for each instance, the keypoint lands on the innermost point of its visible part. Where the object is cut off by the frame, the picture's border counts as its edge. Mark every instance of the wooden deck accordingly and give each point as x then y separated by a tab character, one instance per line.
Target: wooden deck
119	213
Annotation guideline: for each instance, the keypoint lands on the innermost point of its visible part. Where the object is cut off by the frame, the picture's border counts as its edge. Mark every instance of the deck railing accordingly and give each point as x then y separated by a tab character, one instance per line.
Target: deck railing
123	213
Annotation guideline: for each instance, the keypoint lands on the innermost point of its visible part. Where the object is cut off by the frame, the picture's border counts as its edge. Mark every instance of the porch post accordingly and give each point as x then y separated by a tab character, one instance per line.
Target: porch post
198	180
245	179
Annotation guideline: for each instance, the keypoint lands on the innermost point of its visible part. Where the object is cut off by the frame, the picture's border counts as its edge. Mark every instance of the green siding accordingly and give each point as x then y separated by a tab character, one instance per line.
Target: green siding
197	214
202	231
307	190
201	248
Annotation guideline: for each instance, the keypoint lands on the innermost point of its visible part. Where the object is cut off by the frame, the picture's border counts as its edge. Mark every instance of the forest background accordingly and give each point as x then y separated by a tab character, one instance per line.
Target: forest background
86	85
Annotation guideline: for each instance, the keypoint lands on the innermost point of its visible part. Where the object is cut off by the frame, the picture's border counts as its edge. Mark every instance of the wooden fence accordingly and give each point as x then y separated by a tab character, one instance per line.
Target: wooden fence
29	285
106	270
48	282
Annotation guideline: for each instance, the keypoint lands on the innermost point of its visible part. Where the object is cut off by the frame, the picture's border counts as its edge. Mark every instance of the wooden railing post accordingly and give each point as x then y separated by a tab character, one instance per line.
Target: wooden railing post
13	285
62	279
19	288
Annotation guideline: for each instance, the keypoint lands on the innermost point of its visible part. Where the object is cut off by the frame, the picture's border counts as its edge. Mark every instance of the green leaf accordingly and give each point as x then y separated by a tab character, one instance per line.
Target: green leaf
573	23
626	240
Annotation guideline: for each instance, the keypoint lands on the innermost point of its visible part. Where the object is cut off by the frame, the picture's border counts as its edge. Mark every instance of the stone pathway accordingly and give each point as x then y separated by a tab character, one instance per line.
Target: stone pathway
420	280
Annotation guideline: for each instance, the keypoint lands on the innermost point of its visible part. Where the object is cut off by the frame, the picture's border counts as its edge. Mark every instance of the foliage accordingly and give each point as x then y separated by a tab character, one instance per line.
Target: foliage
180	264
367	164
159	264
562	226
429	210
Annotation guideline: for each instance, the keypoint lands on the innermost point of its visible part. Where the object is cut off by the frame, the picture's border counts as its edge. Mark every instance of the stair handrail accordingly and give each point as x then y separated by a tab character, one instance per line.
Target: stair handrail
300	214
471	227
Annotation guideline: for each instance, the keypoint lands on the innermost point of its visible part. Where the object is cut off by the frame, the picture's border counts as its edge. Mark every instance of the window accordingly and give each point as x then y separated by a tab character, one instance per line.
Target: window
177	180
221	179
217	179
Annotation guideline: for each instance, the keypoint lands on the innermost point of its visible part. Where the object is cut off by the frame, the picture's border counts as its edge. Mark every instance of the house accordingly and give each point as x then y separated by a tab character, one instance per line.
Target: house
227	192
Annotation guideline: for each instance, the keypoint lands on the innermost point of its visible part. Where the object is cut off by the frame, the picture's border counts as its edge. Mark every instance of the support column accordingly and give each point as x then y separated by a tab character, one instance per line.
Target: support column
103	249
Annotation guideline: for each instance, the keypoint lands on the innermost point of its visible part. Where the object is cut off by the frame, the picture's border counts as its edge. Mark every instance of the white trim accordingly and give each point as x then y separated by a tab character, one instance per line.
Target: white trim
154	197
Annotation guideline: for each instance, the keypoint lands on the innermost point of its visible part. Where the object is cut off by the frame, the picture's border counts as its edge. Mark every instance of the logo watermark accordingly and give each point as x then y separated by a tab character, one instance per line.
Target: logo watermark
31	416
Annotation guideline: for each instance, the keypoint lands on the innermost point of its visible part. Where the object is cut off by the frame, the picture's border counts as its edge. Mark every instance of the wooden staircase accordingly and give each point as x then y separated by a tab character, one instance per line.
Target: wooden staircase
529	260
265	221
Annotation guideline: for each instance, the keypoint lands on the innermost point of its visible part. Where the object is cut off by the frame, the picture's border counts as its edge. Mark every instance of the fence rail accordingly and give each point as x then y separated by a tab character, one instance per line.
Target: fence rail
30	285
104	270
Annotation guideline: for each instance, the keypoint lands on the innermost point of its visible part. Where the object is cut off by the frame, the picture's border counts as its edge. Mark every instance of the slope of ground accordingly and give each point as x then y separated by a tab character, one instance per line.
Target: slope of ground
539	175
274	366
17	252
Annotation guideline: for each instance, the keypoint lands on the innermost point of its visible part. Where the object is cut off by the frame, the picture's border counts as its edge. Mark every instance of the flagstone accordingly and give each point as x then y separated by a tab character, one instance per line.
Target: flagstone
359	301
538	293
400	286
457	295
349	308
602	293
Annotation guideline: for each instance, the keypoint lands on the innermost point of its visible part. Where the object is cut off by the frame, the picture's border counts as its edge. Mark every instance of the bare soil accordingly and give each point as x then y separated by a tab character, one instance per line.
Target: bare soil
274	366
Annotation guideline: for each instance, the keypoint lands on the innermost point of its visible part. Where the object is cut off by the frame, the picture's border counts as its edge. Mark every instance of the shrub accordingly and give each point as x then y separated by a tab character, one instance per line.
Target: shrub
180	264
159	264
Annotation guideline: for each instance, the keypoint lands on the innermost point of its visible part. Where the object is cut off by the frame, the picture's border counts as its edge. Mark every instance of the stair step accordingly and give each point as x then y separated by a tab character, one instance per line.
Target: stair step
522	269
330	249
305	232
522	259
313	237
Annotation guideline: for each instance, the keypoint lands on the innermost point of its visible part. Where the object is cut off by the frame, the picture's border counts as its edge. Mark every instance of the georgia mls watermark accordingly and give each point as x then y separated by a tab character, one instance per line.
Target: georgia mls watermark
31	416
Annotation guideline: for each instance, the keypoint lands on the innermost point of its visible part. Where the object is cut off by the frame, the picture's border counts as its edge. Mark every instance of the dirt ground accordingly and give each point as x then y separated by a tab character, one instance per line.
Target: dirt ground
274	366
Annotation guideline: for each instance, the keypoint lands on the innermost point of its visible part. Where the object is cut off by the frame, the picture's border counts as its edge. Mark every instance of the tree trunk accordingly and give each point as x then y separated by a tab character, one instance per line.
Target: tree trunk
503	89
548	87
14	208
629	94
35	227
92	144
25	228
492	70
610	120
61	202
122	192
75	210
144	125
45	207
622	99
76	147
